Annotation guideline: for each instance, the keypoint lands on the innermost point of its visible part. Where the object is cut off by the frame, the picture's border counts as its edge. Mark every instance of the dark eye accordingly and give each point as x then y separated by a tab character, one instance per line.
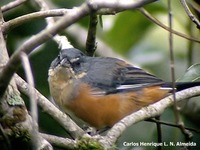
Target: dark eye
59	58
77	63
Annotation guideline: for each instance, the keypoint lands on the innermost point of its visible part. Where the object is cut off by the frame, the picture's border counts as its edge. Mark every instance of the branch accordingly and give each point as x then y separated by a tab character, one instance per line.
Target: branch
12	5
14	115
145	113
154	20
64	120
62	41
9	25
172	125
117	4
172	68
43	143
81	36
159	132
60	142
189	13
34	110
91	37
3	48
194	5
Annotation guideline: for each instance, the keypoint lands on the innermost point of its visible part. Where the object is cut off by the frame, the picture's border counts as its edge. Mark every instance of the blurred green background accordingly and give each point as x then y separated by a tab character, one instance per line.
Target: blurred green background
131	35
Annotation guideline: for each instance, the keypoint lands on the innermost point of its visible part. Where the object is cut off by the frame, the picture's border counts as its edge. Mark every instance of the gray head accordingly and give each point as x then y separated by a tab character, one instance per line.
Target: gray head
68	58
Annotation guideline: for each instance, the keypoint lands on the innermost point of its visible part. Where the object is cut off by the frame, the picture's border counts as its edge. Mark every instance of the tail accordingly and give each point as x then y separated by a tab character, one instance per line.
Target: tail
182	85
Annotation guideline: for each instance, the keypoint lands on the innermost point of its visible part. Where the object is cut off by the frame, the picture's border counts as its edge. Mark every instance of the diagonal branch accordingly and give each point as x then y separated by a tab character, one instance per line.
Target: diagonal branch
12	5
189	13
62	41
49	108
9	25
34	110
117	4
154	20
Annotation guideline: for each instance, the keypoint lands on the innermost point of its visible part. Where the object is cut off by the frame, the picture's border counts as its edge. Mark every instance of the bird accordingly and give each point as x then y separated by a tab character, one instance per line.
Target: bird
103	90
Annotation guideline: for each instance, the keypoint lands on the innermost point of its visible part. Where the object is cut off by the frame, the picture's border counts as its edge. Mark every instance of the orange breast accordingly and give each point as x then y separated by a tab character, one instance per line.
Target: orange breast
106	110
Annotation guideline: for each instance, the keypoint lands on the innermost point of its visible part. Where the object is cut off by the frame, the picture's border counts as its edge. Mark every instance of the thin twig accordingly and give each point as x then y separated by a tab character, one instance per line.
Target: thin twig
159	132
171	51
91	37
102	49
9	25
194	5
189	13
12	5
172	125
116	4
172	66
34	110
154	20
190	48
62	41
186	133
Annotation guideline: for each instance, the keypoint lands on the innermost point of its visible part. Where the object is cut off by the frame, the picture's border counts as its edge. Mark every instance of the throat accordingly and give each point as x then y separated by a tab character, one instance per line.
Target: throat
61	90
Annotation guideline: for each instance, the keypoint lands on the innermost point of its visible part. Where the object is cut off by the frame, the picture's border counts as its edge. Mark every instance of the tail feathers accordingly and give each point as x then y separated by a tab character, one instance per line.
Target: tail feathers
182	85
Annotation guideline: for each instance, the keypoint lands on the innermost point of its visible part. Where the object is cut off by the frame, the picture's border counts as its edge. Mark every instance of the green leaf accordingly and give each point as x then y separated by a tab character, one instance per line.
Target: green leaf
128	28
192	74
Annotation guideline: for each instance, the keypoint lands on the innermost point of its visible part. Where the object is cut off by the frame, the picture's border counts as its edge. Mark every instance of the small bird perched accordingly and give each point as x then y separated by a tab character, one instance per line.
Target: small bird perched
103	90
